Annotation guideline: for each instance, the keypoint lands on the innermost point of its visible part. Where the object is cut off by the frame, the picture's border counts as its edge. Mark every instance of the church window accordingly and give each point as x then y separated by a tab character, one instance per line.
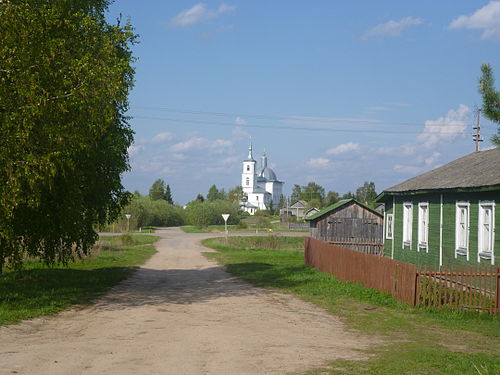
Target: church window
248	181
248	168
257	197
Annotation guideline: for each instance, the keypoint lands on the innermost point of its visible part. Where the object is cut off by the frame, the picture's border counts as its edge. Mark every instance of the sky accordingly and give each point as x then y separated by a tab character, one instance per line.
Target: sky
335	92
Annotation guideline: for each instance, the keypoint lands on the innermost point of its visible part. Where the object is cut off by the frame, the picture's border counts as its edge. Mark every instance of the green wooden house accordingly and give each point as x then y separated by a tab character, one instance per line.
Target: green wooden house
447	216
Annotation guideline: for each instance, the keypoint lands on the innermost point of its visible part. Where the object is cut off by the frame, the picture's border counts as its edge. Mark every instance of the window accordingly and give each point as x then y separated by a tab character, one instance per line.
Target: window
423	226
248	181
257	197
462	229
407	223
248	168
486	227
389	225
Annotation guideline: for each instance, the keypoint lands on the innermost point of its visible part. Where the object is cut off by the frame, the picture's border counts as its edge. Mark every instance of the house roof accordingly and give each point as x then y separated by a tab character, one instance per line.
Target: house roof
479	169
336	205
299	204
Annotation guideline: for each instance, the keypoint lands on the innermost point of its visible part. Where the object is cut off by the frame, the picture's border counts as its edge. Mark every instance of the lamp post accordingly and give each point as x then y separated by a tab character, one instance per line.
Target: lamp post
128	221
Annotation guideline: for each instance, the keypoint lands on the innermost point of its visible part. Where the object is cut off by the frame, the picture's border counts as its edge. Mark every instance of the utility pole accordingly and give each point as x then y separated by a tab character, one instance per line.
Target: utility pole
477	137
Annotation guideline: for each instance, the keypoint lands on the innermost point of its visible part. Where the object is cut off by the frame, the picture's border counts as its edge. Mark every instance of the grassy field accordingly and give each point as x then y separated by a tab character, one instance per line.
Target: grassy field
417	341
40	290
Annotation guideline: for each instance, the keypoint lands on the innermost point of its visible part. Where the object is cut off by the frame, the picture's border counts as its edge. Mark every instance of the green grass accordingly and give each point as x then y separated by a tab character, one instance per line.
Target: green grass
423	341
236	228
40	290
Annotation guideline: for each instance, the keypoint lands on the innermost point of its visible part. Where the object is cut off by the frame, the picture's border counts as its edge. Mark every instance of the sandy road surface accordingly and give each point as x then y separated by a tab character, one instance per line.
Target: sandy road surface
180	314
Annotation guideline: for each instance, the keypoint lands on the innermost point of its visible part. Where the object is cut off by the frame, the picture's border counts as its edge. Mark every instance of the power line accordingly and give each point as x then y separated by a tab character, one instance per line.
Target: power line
294	118
343	130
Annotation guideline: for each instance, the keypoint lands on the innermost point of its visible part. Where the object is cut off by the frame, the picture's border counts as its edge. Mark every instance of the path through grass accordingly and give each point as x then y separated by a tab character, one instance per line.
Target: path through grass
40	290
419	341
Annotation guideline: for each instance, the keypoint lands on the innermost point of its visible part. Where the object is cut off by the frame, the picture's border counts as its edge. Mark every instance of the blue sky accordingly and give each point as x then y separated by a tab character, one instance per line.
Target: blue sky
336	92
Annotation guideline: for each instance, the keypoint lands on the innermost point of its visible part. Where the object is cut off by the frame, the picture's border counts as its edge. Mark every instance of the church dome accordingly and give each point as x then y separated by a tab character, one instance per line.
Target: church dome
268	174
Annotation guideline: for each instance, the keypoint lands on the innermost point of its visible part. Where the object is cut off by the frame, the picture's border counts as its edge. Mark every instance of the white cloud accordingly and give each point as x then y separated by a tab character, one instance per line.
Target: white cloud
221	146
487	19
240	121
134	150
193	143
162	137
199	13
318	163
343	148
445	128
239	132
391	28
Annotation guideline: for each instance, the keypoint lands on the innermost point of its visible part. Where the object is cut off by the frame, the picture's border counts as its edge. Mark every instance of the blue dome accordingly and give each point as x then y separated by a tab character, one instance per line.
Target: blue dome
268	174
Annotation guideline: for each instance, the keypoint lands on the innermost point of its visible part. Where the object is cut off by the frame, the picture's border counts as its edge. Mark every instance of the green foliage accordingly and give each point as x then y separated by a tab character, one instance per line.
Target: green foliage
65	74
157	191
168	195
215	194
491	98
331	198
202	214
146	212
40	290
313	191
236	195
296	193
366	194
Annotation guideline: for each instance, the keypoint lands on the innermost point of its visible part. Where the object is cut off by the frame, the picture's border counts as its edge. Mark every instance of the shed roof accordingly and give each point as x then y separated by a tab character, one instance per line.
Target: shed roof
479	169
299	204
336	205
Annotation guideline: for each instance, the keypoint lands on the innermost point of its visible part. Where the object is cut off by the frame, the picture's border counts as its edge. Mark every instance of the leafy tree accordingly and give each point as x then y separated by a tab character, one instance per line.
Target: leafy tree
491	99
168	195
366	194
157	190
296	193
281	203
215	194
200	198
236	194
348	195
331	198
313	191
65	74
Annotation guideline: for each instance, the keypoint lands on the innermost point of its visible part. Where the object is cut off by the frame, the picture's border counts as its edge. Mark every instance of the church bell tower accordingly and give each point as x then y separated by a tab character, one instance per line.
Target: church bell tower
248	176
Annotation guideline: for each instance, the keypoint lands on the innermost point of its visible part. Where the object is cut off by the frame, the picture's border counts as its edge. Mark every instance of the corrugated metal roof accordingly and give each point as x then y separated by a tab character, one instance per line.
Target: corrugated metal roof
479	169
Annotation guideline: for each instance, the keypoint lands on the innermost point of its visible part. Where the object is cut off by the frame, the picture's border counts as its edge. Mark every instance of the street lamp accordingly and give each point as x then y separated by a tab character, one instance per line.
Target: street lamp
128	221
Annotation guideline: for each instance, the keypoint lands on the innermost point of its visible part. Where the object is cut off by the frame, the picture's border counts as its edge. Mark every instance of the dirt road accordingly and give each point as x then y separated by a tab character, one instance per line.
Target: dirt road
180	314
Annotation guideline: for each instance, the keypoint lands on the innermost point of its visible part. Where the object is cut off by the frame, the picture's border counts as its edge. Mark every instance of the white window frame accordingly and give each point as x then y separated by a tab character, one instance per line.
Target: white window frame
407	224
423	226
389	226
461	250
490	255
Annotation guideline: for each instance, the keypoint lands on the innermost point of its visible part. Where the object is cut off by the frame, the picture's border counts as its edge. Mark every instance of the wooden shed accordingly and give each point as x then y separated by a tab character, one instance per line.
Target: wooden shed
350	224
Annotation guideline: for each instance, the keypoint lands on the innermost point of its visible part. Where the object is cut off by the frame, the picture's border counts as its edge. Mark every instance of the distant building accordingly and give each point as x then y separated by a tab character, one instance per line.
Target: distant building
261	187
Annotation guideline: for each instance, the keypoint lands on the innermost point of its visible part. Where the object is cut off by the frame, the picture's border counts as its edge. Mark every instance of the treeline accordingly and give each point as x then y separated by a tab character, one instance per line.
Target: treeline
315	195
158	209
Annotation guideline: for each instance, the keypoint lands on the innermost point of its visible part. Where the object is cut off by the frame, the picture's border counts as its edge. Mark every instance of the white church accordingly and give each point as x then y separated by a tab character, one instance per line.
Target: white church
261	188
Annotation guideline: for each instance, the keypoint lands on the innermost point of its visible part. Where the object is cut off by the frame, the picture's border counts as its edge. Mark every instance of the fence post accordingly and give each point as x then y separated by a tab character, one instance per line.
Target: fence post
416	290
497	292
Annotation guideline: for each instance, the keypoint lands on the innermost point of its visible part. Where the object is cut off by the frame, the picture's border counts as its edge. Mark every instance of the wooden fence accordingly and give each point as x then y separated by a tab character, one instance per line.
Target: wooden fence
456	287
459	287
364	247
373	271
